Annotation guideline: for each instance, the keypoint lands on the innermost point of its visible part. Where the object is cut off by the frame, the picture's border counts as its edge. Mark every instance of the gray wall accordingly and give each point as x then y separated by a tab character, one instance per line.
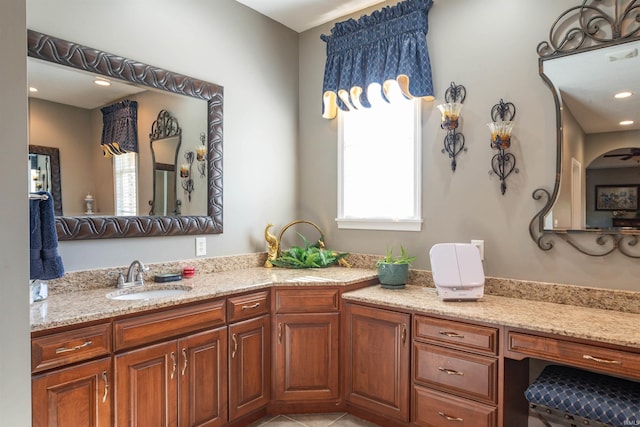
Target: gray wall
15	384
223	42
489	47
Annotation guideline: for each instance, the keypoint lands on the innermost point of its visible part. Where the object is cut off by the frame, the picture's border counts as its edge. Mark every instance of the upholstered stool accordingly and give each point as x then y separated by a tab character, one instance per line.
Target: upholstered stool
573	397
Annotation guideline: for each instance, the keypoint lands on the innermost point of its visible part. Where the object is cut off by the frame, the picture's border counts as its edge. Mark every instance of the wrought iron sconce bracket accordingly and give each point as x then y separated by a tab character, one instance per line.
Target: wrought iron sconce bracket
185	174
454	140
201	156
502	163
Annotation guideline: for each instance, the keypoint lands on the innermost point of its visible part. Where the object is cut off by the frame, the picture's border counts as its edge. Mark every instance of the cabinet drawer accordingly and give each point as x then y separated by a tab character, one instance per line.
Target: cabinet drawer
456	334
59	349
247	306
307	300
465	374
167	324
435	409
588	356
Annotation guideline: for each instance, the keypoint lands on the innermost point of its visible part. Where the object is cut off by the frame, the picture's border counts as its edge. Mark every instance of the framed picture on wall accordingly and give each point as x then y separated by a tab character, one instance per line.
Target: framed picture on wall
617	197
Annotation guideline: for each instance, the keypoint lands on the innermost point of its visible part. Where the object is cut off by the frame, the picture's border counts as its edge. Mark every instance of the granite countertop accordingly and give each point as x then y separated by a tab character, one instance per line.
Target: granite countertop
69	308
607	326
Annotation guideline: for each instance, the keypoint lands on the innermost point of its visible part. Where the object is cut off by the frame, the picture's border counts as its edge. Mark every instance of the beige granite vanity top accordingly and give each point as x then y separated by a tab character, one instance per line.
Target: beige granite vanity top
84	305
519	307
607	326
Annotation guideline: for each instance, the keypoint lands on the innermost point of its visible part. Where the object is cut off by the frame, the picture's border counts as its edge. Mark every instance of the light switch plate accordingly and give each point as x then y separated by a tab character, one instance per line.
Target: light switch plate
480	245
201	246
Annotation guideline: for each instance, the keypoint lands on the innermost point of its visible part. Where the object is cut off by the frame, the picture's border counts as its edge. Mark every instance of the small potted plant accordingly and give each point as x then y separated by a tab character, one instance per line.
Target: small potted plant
393	271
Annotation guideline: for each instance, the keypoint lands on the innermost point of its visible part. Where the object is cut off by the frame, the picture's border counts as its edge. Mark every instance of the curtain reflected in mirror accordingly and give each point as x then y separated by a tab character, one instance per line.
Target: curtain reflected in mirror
44	173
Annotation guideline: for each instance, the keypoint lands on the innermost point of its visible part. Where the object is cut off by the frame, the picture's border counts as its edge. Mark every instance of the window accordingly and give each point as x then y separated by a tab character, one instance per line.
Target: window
126	184
379	164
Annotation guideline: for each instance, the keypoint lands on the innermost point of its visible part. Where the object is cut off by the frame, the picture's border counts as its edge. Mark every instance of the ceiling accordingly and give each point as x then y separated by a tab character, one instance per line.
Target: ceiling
301	15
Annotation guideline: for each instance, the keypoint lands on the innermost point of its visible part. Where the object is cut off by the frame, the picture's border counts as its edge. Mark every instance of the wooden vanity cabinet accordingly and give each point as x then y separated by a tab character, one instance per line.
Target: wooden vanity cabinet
306	340
455	373
376	362
249	354
77	396
72	383
180	381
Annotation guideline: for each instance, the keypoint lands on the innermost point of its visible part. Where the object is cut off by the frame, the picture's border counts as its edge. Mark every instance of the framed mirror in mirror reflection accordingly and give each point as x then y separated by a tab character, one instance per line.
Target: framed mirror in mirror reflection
65	115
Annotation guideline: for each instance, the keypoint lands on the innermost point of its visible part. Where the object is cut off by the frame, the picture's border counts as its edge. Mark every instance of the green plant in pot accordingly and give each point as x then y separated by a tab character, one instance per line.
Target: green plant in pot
393	270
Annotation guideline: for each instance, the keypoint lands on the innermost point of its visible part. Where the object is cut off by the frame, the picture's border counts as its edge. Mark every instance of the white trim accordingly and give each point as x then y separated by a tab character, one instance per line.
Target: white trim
405	224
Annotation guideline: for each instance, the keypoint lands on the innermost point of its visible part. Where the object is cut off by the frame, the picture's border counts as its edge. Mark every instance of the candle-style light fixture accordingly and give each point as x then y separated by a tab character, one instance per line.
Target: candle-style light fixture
502	163
185	174
454	140
201	156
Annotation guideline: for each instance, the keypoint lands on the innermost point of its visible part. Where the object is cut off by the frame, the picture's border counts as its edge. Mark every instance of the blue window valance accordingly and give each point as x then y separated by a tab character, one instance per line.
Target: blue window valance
389	44
120	128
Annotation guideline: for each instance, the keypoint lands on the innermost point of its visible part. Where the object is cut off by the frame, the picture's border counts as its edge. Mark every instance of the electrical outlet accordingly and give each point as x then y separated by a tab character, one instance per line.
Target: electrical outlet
201	246
480	245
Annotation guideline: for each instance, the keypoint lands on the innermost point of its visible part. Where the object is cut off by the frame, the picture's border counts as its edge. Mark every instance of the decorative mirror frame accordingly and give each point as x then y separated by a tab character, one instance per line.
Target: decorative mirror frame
62	52
54	163
580	29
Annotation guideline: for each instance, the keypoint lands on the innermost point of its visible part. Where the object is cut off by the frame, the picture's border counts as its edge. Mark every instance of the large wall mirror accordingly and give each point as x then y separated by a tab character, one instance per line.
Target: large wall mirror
64	118
591	63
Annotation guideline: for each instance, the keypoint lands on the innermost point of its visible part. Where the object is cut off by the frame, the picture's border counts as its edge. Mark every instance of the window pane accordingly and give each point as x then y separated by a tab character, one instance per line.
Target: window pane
126	184
379	160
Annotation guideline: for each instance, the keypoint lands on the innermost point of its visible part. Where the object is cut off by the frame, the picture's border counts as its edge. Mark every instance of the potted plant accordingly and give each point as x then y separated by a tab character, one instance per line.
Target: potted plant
393	271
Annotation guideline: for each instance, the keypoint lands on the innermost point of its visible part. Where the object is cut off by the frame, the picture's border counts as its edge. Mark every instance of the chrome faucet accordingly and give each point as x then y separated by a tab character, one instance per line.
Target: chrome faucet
134	274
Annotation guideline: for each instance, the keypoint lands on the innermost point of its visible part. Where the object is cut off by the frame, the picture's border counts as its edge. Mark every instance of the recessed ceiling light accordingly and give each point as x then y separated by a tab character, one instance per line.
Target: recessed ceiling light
102	82
621	95
32	89
626	122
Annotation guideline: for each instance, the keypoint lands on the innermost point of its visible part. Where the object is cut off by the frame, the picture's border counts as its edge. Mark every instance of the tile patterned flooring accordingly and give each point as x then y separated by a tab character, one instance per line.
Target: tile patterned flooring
338	419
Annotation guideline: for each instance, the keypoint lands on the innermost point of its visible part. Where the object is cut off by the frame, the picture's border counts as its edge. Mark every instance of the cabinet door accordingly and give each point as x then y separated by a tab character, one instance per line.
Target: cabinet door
147	386
79	396
306	365
249	366
203	379
377	360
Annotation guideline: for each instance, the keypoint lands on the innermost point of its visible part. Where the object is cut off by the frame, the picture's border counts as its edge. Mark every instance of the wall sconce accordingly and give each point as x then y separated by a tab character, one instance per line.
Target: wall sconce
185	174
201	156
503	163
453	141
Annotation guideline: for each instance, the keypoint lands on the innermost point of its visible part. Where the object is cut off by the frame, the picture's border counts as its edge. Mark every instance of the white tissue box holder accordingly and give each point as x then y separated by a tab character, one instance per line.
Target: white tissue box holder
457	271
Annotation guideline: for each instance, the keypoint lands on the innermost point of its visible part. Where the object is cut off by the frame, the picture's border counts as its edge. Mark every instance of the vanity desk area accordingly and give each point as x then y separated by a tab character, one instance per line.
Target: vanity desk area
312	341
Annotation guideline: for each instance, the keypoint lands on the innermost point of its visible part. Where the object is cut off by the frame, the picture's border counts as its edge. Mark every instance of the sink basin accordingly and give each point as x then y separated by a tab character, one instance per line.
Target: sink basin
146	294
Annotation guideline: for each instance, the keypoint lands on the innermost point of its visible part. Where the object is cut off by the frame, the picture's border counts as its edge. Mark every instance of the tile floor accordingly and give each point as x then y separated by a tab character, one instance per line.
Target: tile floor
338	419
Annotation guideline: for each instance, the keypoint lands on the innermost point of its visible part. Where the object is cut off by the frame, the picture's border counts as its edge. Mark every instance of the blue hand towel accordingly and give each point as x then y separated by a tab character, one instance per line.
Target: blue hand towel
46	263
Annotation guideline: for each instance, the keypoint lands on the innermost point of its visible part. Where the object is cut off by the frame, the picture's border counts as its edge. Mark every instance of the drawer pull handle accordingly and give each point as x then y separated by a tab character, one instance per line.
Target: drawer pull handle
77	347
234	337
279	332
450	371
449	418
249	307
106	386
451	334
175	364
404	333
598	360
184	356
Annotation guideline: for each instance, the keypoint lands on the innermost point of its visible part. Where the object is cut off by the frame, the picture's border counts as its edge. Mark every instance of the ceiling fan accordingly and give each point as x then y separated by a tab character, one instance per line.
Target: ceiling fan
633	152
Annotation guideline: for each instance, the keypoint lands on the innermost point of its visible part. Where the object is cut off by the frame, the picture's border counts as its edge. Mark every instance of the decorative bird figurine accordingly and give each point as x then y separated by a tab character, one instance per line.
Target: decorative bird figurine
272	244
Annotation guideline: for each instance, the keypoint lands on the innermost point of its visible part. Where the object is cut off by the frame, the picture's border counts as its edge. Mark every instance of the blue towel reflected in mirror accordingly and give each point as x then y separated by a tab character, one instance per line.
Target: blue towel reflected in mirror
45	262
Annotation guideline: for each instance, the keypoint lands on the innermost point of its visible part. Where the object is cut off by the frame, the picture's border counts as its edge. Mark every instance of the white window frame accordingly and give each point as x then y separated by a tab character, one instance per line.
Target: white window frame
119	211
411	223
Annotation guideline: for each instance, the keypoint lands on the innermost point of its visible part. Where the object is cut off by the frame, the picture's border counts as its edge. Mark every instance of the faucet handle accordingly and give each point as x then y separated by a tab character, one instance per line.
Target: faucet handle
120	276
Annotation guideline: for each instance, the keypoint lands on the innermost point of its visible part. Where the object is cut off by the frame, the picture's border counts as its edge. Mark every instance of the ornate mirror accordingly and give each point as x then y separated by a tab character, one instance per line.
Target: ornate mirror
44	173
165	140
592	66
111	67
